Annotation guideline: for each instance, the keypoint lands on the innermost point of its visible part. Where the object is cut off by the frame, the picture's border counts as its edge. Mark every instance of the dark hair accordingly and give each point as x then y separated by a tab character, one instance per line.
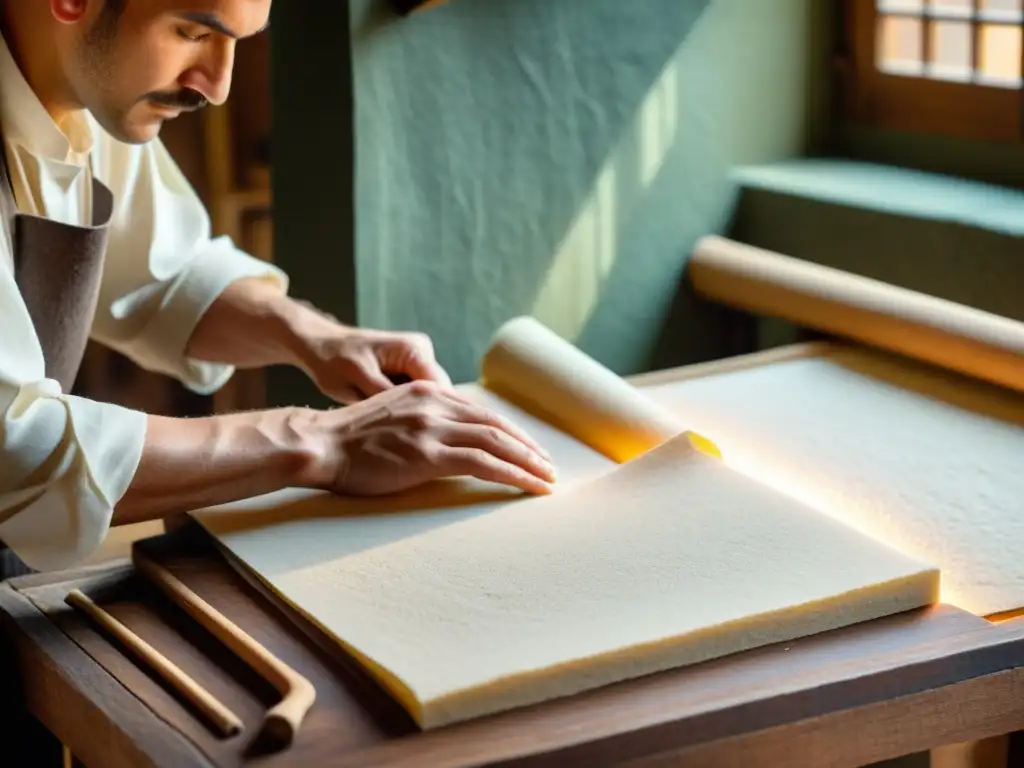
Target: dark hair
113	9
105	27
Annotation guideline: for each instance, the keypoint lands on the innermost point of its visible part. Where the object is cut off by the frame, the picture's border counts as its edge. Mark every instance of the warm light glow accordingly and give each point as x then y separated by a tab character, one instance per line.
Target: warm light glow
572	287
791	482
1000	52
573	284
899	45
659	118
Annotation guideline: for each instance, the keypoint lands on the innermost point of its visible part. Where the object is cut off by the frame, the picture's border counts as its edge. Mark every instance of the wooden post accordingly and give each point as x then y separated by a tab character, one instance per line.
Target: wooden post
312	156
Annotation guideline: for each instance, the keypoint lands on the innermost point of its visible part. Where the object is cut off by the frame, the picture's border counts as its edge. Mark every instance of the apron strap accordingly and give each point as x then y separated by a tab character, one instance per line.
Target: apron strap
8	203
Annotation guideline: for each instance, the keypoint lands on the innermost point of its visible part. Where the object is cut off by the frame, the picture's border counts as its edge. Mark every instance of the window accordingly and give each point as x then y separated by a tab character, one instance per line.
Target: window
952	67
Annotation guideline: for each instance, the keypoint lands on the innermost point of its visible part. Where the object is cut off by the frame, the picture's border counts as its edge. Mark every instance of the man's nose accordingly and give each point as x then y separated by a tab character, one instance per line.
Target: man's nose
212	76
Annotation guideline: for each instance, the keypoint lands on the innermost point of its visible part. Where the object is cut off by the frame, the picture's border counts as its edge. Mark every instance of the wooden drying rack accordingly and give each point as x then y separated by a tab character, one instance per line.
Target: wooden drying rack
879	690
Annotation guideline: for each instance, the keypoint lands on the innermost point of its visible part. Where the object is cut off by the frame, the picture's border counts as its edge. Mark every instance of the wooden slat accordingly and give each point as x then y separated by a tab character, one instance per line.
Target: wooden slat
736	363
986	753
979	708
79	702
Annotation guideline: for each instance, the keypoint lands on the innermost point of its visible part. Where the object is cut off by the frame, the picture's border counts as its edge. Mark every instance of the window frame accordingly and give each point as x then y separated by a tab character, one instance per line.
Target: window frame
919	104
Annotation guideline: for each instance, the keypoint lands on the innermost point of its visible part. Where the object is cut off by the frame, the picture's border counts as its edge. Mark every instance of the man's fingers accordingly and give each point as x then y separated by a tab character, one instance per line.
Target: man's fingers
344	394
470	413
485	466
418	365
413	355
501	445
368	378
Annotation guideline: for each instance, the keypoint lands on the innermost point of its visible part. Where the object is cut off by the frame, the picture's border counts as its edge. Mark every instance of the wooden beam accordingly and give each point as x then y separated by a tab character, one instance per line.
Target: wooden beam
313	159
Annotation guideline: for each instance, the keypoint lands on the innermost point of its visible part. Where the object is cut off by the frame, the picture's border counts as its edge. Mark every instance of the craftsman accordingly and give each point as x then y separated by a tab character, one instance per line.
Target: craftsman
104	238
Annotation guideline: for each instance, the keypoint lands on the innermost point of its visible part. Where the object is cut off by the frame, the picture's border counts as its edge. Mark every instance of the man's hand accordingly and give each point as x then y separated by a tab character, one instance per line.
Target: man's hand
415	433
407	436
396	437
352	364
254	324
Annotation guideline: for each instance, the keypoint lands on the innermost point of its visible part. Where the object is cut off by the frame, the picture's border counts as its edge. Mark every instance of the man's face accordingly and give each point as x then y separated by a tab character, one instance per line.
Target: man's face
135	63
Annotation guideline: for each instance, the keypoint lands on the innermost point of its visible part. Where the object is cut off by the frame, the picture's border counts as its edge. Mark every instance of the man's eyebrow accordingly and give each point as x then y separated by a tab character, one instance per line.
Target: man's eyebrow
211	21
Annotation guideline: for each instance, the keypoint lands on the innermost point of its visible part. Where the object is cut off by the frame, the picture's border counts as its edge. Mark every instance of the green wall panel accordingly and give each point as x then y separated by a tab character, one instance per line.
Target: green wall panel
560	158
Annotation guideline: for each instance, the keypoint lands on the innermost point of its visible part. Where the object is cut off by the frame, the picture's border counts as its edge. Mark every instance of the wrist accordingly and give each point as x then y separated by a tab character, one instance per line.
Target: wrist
300	329
284	328
252	324
290	450
190	464
307	439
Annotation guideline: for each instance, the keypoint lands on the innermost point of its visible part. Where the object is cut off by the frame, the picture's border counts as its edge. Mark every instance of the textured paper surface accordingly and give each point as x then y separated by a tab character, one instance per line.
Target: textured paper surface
466	598
668	560
295	528
928	460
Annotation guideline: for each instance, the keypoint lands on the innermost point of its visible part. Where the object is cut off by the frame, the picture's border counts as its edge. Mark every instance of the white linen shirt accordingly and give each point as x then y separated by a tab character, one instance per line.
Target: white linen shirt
65	461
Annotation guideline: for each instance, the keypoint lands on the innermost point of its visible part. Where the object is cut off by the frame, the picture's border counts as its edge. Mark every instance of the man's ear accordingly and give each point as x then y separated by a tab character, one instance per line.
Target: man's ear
69	11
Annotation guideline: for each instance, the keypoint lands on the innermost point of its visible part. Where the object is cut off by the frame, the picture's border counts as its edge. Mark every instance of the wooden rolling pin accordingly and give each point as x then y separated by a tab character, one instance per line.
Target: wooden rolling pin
933	330
222	718
283	720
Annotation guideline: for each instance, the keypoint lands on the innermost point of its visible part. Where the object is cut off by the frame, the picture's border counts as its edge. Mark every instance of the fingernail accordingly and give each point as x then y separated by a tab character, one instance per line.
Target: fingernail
548	469
539	485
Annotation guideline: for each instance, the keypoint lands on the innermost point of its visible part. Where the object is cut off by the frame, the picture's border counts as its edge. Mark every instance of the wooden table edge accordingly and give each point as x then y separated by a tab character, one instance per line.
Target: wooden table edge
736	363
973	659
997	709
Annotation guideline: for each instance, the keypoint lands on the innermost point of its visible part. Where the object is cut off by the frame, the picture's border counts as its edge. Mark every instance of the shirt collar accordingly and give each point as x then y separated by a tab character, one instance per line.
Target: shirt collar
26	121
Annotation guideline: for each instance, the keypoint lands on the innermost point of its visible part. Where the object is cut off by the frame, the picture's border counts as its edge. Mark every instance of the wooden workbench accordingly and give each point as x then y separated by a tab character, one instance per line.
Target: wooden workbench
901	685
846	698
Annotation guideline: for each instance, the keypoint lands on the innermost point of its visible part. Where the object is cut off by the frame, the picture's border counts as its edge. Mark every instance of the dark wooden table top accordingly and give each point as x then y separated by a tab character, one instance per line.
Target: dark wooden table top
866	693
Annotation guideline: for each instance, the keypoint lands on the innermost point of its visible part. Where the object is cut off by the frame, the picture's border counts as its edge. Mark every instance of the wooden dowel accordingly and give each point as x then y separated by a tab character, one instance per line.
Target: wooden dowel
282	721
946	334
226	721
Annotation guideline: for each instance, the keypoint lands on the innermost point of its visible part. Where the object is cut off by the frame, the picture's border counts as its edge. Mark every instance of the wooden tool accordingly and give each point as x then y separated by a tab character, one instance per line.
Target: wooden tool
946	334
226	721
282	721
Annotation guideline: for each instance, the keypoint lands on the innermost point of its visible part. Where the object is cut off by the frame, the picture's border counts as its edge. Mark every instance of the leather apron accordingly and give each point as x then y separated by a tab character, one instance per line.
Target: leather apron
57	268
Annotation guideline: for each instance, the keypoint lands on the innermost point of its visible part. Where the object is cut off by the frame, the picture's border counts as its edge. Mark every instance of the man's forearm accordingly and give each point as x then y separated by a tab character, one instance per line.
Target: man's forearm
253	324
193	463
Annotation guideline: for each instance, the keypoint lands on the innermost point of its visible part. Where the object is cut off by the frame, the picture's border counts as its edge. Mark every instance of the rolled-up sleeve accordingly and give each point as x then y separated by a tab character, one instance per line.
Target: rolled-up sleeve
65	461
163	269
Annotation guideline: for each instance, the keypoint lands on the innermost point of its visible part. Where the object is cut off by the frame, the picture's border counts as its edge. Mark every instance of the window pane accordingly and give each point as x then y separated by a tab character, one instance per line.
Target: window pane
899	44
952	7
1000	55
950	49
900	6
1010	10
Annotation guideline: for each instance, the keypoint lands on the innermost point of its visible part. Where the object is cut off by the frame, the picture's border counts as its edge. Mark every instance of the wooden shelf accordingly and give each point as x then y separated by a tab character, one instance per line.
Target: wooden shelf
242	213
245	199
228	209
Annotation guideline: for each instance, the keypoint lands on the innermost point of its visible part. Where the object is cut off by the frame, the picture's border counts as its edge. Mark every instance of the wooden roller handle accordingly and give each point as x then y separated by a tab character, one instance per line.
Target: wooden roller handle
282	721
226	721
933	330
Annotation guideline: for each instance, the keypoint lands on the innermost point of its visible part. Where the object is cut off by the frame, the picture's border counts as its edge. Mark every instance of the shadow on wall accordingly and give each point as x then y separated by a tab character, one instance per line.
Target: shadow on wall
560	158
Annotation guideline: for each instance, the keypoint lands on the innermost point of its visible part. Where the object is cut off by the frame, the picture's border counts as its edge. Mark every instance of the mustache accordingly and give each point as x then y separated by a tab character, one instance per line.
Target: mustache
185	99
